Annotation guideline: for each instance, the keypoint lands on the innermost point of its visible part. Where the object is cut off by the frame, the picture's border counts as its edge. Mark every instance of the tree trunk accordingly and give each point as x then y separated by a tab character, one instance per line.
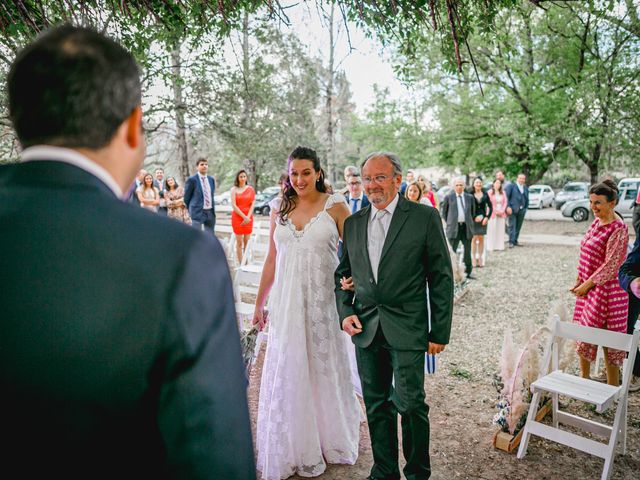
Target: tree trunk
329	104
179	107
249	164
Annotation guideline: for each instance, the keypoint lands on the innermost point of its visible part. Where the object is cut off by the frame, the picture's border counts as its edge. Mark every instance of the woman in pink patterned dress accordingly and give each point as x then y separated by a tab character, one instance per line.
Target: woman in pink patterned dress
601	302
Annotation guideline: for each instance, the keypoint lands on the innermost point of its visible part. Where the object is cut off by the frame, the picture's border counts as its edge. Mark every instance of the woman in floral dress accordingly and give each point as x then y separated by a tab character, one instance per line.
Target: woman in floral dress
601	302
176	208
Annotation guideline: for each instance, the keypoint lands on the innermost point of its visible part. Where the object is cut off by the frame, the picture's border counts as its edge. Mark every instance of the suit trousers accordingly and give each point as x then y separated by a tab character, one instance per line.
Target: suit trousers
515	221
209	223
466	244
634	312
379	365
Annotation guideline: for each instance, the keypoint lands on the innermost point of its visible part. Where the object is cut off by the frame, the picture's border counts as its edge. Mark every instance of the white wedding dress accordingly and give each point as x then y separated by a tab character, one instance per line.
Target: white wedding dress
308	413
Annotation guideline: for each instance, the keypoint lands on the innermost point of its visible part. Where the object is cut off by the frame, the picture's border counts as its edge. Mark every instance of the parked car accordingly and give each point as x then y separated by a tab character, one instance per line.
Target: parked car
626	199
628	182
540	196
271	190
261	207
571	191
222	199
580	210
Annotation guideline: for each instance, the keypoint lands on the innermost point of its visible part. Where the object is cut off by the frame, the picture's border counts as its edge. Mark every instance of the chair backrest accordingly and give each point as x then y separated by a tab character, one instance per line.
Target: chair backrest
246	282
256	251
595	336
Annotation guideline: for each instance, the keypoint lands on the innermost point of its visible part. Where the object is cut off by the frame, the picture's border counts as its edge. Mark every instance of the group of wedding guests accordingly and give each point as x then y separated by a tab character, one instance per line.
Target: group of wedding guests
473	213
165	196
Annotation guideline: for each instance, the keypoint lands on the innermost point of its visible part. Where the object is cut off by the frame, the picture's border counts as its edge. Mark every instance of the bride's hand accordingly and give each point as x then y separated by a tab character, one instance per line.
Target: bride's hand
347	284
260	318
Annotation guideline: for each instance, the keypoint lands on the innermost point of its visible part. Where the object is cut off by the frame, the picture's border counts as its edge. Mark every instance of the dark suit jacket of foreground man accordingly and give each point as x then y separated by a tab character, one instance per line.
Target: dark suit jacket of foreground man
119	351
395	333
415	253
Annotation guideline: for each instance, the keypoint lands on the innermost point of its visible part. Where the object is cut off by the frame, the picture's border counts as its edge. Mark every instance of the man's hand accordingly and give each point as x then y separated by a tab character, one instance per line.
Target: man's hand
435	348
635	287
352	325
509	211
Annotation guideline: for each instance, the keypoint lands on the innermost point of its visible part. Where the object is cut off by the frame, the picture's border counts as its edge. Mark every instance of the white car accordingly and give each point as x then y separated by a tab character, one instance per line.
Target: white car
222	199
540	196
626	200
628	182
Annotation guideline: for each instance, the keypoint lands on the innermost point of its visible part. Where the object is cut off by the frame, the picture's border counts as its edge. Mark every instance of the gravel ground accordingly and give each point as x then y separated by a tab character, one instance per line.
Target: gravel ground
516	287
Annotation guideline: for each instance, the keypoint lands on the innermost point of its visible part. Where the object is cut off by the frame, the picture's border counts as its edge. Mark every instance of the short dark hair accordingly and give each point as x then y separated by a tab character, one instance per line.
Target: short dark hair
73	87
200	160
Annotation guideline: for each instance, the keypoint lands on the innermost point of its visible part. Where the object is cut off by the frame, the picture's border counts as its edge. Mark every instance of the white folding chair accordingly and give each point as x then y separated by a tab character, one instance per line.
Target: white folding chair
246	283
227	239
602	396
256	251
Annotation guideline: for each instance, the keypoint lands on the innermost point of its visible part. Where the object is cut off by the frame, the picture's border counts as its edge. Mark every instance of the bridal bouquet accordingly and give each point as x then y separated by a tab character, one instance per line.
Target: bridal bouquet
248	342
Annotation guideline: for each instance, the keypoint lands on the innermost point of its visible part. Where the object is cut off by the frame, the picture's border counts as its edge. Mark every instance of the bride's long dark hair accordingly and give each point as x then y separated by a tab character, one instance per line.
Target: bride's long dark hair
289	196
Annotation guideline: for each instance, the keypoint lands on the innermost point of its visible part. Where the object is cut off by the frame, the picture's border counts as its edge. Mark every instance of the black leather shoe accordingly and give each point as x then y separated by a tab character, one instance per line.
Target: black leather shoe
471	276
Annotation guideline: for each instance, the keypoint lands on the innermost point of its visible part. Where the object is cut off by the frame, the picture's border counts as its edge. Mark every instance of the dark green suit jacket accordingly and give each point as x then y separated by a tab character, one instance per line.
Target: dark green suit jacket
415	254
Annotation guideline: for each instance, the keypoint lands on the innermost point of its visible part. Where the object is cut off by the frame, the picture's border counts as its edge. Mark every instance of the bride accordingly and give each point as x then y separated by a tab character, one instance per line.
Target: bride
308	414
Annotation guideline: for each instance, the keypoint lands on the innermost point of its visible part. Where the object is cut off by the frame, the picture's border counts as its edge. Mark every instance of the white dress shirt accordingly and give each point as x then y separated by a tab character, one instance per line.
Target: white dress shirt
72	157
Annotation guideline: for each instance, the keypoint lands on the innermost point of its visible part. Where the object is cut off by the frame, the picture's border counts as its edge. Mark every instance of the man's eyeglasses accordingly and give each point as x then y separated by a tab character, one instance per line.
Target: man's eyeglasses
353	184
377	179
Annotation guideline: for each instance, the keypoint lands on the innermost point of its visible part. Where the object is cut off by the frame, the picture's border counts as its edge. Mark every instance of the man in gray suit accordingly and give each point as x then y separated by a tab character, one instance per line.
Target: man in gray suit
457	211
112	365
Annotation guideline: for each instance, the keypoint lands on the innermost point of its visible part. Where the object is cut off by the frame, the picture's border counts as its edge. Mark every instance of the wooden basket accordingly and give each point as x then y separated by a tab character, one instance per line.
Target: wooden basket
507	442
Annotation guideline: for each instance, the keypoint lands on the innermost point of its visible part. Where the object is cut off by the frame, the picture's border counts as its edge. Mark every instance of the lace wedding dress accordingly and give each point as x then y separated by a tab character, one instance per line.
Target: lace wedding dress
308	414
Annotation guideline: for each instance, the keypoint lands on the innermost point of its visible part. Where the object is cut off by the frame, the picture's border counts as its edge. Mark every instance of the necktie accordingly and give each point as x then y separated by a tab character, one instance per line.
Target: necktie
206	192
377	241
354	207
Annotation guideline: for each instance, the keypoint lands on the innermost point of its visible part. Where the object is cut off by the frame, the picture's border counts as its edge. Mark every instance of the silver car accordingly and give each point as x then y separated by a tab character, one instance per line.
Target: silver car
571	191
540	196
580	210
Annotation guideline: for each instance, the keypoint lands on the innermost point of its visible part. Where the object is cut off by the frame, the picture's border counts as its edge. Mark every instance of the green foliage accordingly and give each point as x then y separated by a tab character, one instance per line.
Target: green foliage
392	126
552	84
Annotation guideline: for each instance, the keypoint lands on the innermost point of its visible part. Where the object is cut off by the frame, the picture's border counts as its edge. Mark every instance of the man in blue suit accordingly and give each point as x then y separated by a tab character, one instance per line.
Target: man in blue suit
198	197
518	202
629	276
356	198
112	364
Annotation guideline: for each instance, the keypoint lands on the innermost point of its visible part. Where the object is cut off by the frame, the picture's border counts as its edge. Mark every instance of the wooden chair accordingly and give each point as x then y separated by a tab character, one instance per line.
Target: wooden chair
602	396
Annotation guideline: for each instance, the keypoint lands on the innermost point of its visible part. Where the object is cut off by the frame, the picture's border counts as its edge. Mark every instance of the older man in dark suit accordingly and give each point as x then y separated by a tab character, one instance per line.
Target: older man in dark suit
393	250
112	364
457	211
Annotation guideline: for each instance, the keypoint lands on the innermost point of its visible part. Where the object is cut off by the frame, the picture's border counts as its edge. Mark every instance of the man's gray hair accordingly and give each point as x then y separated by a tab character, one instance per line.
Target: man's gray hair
460	179
351	170
392	157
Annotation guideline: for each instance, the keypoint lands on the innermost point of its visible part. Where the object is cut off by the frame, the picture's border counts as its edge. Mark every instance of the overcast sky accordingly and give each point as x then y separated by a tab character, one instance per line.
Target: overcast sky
364	65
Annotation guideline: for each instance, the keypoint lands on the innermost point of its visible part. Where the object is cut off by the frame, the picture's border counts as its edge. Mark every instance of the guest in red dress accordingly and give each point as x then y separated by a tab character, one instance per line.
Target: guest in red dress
601	302
243	197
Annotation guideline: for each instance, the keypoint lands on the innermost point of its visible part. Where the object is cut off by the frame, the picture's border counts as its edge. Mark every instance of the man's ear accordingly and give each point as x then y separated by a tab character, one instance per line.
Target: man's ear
134	128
